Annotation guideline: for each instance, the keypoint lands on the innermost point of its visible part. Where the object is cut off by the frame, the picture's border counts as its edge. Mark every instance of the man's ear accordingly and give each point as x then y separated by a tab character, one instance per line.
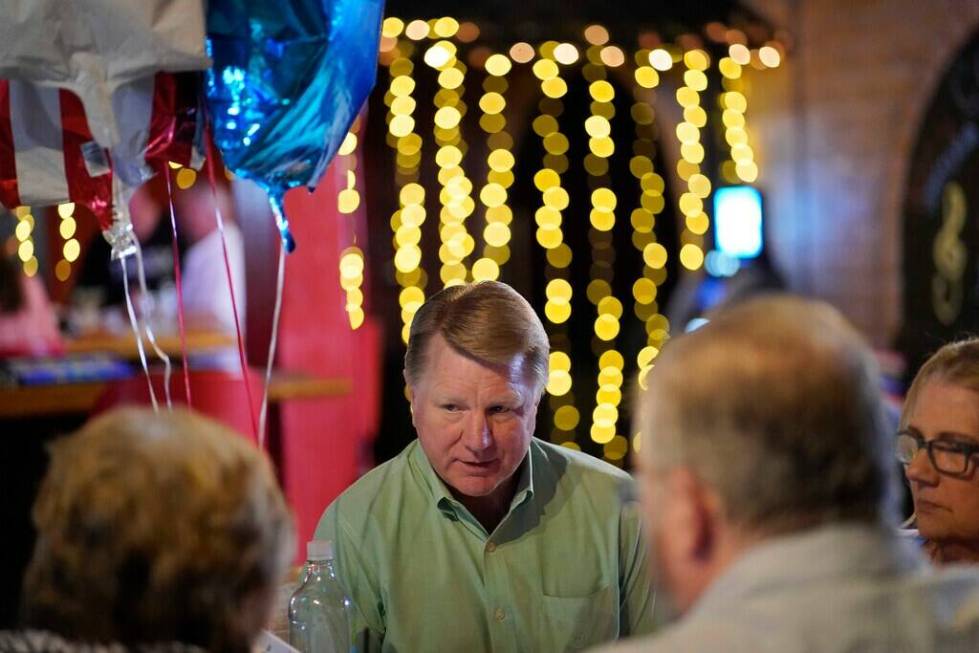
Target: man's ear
694	514
410	393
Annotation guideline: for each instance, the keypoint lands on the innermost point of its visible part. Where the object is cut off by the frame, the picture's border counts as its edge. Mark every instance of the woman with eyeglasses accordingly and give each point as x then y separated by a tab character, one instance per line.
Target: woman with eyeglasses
938	443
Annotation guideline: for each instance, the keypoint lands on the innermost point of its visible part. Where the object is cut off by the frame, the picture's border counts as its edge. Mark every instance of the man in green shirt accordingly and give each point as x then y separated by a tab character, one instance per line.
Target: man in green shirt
479	537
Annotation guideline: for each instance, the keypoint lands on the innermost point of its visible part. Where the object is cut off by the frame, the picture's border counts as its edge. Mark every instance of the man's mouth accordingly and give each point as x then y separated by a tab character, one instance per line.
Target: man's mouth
475	465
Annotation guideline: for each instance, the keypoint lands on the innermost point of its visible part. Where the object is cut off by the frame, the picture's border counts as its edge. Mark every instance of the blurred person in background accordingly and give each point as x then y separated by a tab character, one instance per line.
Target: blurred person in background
100	279
154	530
768	488
28	324
207	297
204	284
938	443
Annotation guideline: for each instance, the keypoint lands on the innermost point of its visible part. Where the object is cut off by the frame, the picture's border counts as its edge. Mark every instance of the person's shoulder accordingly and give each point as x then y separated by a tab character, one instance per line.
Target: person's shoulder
387	478
672	640
729	633
633	645
584	469
957	585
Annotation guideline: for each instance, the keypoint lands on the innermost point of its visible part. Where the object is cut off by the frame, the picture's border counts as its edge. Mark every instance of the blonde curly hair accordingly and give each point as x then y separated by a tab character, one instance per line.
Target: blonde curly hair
157	528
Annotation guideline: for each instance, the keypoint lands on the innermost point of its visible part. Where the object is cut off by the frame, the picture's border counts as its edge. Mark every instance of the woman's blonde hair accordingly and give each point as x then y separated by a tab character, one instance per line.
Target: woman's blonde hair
956	363
488	321
157	528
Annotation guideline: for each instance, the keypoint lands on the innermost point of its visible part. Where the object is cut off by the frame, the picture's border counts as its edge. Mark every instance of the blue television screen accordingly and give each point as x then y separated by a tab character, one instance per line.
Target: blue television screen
738	221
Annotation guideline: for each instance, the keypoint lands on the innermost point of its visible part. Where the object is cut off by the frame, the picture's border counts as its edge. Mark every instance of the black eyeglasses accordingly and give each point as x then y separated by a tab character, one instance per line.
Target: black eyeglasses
950	458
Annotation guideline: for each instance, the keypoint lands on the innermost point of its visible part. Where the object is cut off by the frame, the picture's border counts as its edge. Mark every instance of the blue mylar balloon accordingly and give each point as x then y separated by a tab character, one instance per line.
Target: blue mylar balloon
288	80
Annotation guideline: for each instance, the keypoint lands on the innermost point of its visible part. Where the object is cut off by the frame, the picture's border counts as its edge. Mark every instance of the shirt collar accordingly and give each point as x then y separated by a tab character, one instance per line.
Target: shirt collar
448	505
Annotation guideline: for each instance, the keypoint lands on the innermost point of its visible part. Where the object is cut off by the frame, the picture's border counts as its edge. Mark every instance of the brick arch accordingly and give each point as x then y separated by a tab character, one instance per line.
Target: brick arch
961	25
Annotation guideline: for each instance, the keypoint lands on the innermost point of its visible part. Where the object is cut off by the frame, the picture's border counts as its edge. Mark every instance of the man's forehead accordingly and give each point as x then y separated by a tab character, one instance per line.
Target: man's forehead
441	354
446	366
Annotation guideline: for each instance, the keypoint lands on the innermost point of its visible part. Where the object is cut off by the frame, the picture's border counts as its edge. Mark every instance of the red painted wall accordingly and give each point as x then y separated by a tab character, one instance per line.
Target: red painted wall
324	441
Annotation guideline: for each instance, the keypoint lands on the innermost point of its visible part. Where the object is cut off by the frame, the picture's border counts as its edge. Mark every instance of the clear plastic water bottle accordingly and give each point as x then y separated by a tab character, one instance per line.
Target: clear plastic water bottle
318	610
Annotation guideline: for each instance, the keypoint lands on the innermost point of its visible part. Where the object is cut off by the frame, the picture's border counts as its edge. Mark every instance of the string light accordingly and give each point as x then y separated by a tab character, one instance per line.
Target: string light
499	176
769	56
660	59
71	248
186	177
454	197
741	166
24	233
691	202
522	52
645	290
596	35
406	222
549	234
352	258
435	42
417	30
739	54
607	325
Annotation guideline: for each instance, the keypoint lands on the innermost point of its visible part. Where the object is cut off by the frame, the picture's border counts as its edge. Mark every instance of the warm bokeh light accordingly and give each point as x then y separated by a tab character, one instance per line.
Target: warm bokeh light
522	52
71	250
769	56
476	221
596	35
445	27
566	53
612	56
740	54
392	27
660	59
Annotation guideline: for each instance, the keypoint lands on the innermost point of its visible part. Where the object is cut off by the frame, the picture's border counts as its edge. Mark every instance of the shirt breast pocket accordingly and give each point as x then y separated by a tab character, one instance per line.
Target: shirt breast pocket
575	623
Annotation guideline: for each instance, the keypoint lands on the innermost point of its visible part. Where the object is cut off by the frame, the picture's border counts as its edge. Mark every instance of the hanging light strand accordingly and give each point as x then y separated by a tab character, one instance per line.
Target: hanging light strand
70	248
604	201
407	220
692	200
351	258
454	197
499	176
24	232
741	166
645	290
549	234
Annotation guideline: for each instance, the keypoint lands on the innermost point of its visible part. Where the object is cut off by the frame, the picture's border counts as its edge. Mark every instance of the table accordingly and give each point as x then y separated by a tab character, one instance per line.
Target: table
125	344
75	398
80	398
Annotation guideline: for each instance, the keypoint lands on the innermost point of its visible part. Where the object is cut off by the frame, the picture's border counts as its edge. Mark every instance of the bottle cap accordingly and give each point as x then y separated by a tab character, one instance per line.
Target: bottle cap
319	550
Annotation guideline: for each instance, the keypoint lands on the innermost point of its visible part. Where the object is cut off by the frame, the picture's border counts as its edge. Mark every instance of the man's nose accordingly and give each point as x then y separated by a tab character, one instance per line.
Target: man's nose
478	436
920	469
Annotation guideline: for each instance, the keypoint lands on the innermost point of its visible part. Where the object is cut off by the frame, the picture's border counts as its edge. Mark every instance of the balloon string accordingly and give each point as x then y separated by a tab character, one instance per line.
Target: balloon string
145	300
180	291
279	284
136	332
227	270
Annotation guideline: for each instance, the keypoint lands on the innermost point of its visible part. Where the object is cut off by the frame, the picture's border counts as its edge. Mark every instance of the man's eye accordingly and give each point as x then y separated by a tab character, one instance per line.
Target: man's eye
497	410
450	407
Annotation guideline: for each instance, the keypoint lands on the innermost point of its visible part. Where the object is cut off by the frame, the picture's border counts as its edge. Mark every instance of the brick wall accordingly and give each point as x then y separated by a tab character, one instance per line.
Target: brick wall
833	129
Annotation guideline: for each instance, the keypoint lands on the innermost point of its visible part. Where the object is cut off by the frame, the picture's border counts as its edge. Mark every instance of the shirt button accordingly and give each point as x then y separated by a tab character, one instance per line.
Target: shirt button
500	615
490	548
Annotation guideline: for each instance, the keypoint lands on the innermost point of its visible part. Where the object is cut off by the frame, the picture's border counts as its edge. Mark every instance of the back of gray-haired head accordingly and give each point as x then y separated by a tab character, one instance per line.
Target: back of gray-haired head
775	404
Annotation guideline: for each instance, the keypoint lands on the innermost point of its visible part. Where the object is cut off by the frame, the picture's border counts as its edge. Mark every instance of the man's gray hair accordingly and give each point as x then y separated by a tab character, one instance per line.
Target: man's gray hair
775	404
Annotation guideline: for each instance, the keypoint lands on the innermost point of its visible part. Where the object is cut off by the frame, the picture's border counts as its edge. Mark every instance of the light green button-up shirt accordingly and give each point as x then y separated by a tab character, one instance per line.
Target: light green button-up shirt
564	570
